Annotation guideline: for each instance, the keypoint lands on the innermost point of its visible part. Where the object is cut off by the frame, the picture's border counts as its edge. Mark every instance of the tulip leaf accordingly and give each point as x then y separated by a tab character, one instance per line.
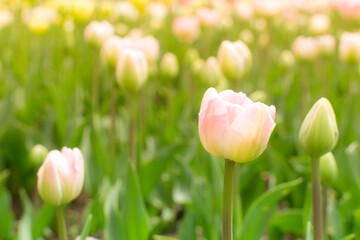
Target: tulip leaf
309	231
259	212
25	232
113	218
86	228
7	217
41	219
133	209
349	237
288	221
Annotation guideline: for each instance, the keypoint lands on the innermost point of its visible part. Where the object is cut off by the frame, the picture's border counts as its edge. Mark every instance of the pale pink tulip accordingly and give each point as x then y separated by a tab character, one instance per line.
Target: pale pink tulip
97	32
207	17
61	177
349	47
186	29
233	127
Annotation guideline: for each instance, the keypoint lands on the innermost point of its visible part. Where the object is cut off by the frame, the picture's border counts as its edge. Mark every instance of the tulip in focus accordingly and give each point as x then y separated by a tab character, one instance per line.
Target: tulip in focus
319	132
169	65
186	29
233	127
349	47
61	177
305	48
96	32
327	44
235	59
131	70
328	169
319	24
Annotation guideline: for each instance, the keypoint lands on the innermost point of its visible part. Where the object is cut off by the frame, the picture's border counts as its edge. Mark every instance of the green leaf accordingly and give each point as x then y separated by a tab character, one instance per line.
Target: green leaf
7	217
135	215
288	221
262	208
309	231
158	237
113	219
86	229
42	219
25	226
349	237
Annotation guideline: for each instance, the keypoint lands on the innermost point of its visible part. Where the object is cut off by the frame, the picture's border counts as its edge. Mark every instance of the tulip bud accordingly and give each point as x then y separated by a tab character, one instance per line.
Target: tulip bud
37	155
110	51
169	65
212	74
207	17
235	59
61	177
186	29
319	132
191	56
349	48
328	169
319	24
305	48
97	32
287	59
233	127
327	44
87	238
131	70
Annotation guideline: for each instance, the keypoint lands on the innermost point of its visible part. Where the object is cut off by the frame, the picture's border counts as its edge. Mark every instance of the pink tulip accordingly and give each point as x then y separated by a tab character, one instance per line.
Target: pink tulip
186	29
233	127
207	17
61	177
97	32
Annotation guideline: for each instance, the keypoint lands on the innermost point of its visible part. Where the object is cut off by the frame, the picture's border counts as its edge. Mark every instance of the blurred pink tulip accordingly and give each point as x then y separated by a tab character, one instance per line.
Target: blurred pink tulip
207	17
61	177
97	32
349	47
186	29
233	127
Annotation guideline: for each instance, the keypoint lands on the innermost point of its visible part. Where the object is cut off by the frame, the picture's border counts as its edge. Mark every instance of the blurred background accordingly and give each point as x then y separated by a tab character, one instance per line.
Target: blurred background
58	89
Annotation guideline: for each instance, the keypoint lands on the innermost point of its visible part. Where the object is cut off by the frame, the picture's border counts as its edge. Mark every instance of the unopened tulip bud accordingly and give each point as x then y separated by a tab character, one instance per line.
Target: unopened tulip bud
212	74
233	127
349	48
191	56
169	65
61	177
110	51
207	17
328	169
131	70
244	11
87	238
186	29
287	59
37	155
235	59
319	132
97	32
305	48
246	36
197	66
150	47
319	24
327	44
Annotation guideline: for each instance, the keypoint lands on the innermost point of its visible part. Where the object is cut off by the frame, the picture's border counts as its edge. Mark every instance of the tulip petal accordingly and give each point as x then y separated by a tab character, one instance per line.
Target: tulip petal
235	98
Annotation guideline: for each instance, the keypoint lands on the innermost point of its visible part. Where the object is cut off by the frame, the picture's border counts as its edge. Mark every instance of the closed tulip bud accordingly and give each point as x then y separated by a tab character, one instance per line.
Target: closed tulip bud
131	70
169	65
327	44
87	238
235	59
110	51
150	47
212	74
287	59
328	169
37	155
96	32
246	36
61	177
207	17
186	29
349	48
6	18
319	132
305	48
244	11
319	24
191	56
233	127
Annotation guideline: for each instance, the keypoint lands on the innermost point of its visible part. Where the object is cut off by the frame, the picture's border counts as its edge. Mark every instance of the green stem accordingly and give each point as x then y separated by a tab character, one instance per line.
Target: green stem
95	83
60	217
113	125
325	200
228	190
132	146
316	199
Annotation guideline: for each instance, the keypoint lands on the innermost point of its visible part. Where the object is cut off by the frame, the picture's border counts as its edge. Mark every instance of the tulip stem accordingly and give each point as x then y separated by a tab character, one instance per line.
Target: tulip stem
95	83
228	191
325	209
60	217
132	146
316	199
